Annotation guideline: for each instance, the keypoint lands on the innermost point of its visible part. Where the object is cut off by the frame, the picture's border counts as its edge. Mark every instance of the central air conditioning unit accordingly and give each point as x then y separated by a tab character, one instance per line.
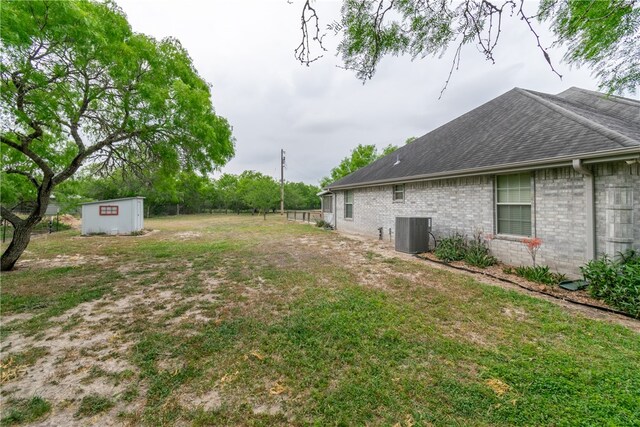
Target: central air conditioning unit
412	234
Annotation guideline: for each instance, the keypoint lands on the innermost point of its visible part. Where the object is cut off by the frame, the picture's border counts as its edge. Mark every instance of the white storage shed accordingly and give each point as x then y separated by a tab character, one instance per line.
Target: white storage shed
116	216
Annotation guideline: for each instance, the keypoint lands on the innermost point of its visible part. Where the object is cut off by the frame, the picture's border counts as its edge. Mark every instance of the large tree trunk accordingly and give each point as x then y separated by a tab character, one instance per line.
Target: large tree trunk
22	227
19	242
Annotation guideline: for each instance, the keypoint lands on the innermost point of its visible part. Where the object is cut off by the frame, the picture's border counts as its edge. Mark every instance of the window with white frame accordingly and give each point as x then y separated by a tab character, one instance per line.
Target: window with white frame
348	204
398	193
513	204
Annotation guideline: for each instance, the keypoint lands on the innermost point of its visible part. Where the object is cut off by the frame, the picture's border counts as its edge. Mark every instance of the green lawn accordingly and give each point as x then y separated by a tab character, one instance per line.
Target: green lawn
228	320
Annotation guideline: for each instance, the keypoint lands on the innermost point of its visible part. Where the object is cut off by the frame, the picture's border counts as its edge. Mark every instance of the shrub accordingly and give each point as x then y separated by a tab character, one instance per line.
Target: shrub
323	224
533	245
477	253
616	282
457	248
452	248
539	274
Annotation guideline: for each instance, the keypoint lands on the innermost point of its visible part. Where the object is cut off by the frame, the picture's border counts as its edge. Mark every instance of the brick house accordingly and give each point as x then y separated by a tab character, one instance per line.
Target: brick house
564	168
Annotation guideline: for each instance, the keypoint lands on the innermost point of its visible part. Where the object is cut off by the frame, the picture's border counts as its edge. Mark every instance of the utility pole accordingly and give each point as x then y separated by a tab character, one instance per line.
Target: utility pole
281	182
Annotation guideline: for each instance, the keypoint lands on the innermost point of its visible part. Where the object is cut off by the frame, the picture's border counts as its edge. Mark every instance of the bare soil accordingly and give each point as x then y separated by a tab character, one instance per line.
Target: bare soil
87	349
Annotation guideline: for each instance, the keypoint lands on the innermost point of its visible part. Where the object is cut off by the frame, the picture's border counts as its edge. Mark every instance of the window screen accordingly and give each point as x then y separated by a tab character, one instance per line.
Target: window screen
513	200
327	204
398	192
348	204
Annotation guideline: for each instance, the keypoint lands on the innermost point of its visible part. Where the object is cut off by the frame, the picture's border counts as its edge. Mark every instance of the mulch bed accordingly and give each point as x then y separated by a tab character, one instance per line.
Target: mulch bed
496	272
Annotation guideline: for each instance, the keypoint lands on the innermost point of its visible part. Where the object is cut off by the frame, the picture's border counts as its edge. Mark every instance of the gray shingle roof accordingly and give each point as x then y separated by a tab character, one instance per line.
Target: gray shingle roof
520	126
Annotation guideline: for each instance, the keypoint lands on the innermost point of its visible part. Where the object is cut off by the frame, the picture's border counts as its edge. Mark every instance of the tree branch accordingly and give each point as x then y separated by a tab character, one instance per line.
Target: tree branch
303	51
10	216
31	178
526	19
46	169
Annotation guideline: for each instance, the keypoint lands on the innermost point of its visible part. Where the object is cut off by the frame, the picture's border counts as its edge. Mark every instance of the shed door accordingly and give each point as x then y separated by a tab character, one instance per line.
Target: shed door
138	214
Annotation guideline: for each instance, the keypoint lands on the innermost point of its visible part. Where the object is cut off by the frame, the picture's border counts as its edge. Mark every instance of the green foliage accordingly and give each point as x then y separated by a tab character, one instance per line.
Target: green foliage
360	157
227	188
194	193
78	87
298	195
601	35
616	282
539	273
156	109
20	411
474	252
320	223
259	191
478	255
14	188
452	248
93	404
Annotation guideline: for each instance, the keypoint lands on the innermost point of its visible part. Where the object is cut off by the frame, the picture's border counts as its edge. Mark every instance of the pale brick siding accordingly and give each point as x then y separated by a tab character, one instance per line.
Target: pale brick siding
466	205
612	177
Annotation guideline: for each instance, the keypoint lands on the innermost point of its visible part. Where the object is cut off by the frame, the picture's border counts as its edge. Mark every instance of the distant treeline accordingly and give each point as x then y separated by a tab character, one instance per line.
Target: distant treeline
188	192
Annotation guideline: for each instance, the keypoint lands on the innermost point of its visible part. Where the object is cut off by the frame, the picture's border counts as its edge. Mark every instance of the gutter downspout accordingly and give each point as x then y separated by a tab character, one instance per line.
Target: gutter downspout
589	186
335	211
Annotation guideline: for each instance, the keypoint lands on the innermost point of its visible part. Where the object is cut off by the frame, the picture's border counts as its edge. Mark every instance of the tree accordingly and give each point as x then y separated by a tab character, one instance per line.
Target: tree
227	187
298	195
600	34
360	157
78	87
259	191
192	192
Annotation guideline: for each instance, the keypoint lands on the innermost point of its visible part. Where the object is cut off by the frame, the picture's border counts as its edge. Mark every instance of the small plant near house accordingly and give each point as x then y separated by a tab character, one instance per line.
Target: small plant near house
539	274
477	253
452	248
321	223
533	245
616	282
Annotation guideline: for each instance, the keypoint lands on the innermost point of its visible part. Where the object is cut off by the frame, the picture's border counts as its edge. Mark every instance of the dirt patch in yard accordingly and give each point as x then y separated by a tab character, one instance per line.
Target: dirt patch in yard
267	322
62	261
87	351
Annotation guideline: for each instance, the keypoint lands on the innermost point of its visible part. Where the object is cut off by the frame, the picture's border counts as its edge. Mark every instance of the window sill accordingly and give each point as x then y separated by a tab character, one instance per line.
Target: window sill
398	201
348	219
510	237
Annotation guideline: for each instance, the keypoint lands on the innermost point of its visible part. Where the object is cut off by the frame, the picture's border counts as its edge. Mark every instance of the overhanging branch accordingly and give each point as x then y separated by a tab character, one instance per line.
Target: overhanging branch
46	169
303	51
31	178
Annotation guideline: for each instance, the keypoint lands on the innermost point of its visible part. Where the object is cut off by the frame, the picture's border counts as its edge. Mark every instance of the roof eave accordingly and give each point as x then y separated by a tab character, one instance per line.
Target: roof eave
112	200
588	158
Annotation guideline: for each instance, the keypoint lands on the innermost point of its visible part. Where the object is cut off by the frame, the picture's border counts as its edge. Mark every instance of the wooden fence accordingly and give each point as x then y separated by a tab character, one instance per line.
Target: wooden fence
305	216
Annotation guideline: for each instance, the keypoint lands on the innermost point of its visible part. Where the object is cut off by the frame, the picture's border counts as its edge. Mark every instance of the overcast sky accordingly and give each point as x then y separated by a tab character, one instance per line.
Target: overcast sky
318	114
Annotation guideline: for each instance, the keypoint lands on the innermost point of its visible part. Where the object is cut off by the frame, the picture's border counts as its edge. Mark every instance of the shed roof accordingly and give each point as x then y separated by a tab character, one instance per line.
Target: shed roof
517	129
112	200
